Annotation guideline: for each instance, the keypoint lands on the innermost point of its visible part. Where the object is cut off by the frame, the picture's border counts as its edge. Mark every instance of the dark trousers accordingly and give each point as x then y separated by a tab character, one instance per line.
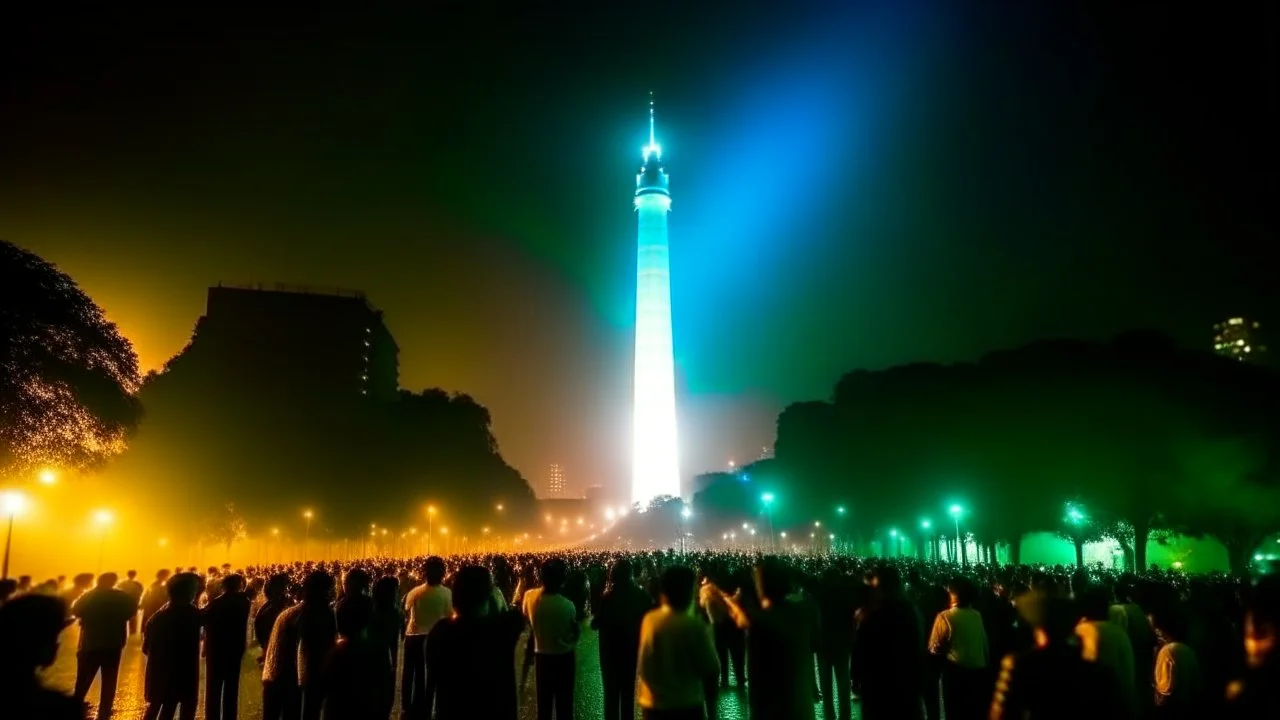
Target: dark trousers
415	699
88	664
619	676
312	700
730	643
833	678
554	675
681	714
966	692
281	701
185	710
221	688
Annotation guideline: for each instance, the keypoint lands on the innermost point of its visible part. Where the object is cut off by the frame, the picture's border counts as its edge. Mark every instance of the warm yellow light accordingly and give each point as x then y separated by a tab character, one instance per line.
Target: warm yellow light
384	531
431	509
307	514
164	542
103	517
47	476
500	507
275	531
413	531
579	521
14	503
484	530
547	517
444	531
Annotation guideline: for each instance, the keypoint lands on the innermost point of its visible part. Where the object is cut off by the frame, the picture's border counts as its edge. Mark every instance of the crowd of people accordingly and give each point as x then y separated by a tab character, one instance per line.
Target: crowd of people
901	639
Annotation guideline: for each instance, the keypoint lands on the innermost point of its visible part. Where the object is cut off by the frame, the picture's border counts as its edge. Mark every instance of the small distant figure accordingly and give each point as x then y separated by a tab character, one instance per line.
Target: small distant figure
104	614
29	628
171	642
131	587
226	620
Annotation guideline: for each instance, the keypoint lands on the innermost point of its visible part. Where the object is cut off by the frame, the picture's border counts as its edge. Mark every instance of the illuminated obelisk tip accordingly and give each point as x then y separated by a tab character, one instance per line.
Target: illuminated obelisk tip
655	464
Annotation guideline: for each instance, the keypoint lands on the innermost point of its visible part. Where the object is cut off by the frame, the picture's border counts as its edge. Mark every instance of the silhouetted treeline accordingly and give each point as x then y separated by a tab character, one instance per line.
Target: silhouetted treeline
1141	436
215	434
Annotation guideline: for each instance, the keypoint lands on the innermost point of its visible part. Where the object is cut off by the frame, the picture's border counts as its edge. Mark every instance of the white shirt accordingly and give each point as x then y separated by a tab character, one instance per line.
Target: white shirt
959	633
676	656
554	620
427	605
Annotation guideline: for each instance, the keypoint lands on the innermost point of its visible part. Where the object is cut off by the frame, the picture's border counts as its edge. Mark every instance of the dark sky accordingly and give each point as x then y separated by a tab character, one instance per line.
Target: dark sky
855	186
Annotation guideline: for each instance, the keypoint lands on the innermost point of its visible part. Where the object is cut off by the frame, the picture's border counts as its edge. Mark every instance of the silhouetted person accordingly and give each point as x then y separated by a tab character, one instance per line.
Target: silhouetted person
156	596
730	640
293	671
837	603
618	616
104	614
1257	694
470	654
226	620
1106	643
1053	681
29	628
889	651
276	599
131	587
554	620
678	668
387	628
171	643
781	637
356	667
426	605
1177	679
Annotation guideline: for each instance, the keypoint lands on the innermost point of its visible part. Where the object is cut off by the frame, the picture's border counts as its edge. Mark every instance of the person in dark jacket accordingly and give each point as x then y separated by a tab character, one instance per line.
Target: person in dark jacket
104	614
356	667
226	619
617	618
171	643
889	650
386	628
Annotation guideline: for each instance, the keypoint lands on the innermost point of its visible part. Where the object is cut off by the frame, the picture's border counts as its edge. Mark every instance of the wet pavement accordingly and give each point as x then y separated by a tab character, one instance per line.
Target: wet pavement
588	697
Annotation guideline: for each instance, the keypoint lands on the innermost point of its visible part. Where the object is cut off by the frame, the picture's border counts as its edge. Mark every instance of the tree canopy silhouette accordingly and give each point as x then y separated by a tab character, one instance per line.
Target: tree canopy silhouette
67	377
1141	435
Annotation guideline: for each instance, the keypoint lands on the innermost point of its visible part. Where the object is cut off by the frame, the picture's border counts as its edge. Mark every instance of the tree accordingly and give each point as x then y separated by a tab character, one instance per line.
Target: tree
68	378
227	527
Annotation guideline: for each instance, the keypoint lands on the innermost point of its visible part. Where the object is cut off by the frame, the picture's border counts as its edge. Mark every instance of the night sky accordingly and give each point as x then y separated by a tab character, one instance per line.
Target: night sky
854	187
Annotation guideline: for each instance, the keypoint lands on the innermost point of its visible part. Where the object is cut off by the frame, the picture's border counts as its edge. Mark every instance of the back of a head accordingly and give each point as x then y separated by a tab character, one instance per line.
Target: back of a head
386	590
183	588
356	581
233	584
1054	615
553	574
317	587
131	574
1263	604
472	588
773	579
354	618
964	590
621	572
887	579
433	570
1094	602
29	628
277	586
677	587
108	580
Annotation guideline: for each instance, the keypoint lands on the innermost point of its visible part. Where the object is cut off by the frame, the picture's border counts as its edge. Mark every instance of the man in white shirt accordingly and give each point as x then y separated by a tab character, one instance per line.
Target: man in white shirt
554	622
426	605
678	666
959	636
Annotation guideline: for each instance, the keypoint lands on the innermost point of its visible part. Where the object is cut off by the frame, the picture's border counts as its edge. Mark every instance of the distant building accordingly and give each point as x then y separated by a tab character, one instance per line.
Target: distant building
1239	338
555	486
314	340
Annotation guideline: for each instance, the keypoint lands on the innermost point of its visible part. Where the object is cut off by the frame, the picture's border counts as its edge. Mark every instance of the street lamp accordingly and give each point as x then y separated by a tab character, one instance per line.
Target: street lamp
767	499
47	476
925	526
685	514
431	517
14	504
306	536
103	519
897	543
956	510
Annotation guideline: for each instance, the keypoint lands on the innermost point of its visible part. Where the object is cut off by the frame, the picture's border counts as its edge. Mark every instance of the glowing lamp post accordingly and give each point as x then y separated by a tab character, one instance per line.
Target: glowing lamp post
1076	518
841	511
14	504
767	499
956	511
431	518
306	535
685	514
47	476
103	519
925	526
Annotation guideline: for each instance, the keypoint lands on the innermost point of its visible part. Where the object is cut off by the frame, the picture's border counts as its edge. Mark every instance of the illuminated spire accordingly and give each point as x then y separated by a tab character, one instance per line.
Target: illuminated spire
652	149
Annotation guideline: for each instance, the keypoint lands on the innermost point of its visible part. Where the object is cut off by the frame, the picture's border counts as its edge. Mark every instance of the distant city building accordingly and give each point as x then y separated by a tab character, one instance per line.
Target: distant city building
1239	338
322	341
556	486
